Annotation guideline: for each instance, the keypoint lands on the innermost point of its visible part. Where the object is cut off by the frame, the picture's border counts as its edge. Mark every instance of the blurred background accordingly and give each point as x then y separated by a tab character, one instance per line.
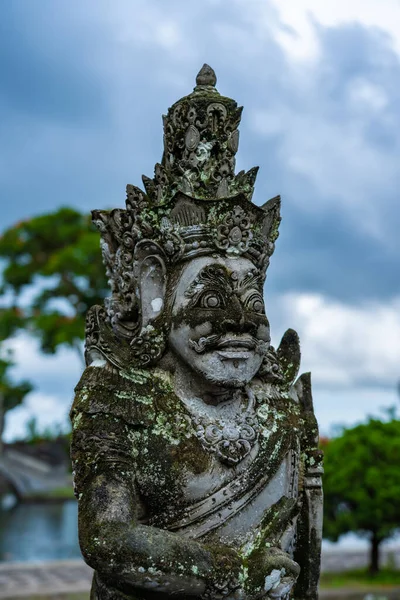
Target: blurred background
82	90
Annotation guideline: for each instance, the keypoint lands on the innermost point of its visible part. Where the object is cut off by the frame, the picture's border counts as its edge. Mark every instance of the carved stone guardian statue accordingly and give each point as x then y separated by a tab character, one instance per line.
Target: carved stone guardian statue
195	446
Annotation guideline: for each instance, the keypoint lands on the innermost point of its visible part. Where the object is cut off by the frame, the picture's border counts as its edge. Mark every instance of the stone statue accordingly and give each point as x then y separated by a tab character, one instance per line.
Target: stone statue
195	448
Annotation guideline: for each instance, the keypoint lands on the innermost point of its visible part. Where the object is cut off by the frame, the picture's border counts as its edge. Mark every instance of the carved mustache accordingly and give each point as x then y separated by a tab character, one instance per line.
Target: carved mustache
215	342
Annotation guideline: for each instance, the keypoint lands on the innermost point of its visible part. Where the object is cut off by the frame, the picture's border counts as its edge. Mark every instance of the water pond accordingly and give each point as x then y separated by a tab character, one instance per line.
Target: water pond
39	532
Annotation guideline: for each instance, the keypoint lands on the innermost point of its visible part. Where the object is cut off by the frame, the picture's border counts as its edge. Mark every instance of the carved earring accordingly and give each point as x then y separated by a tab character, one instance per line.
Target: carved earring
148	347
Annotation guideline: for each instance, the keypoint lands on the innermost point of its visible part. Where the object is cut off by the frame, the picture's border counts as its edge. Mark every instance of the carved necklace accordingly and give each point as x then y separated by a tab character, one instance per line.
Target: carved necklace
231	439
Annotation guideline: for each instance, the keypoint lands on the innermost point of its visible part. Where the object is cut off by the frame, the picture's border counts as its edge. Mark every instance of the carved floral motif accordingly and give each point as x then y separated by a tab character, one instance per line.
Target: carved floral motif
231	441
234	234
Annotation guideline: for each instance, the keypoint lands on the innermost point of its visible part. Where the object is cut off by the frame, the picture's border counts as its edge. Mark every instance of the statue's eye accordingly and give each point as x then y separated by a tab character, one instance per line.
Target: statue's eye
255	303
211	299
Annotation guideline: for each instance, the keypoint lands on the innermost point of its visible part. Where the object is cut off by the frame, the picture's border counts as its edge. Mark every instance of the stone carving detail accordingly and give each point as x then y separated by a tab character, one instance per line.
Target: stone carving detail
234	234
195	445
231	441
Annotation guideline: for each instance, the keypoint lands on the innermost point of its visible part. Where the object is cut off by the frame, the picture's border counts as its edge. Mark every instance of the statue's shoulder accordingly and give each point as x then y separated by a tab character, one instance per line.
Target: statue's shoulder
137	395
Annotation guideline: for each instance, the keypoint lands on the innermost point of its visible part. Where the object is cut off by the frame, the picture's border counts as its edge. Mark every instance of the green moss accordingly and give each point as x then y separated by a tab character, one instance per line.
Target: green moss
137	375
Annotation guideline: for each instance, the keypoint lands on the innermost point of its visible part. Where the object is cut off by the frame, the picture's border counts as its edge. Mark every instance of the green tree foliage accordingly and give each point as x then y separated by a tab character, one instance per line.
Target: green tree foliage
362	483
55	257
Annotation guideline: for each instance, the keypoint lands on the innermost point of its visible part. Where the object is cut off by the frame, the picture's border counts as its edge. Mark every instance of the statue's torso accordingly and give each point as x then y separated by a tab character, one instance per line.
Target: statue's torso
196	474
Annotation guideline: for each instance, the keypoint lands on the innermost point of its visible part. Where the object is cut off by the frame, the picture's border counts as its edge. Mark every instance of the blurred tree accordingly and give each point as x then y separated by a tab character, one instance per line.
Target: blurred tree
362	483
11	394
56	258
35	434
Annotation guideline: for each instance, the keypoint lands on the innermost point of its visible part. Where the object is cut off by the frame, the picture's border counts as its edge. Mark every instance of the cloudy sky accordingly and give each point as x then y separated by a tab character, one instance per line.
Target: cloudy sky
82	90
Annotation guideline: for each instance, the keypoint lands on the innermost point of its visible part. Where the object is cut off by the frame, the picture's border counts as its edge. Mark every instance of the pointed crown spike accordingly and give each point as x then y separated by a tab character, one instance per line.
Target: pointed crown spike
206	76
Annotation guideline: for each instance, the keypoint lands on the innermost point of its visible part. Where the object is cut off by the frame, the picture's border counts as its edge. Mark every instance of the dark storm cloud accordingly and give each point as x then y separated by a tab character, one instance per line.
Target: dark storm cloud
331	145
43	71
83	92
326	254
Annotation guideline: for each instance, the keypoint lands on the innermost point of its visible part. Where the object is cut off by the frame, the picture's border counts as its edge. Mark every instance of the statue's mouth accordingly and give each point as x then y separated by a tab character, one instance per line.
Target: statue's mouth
233	347
233	354
237	344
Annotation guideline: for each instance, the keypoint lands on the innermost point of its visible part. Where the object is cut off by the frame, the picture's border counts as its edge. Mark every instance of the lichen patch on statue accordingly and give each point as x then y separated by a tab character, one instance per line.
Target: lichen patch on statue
195	448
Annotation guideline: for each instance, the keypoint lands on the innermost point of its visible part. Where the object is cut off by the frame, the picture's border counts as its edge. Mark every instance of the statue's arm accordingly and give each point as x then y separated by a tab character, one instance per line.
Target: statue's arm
309	525
129	555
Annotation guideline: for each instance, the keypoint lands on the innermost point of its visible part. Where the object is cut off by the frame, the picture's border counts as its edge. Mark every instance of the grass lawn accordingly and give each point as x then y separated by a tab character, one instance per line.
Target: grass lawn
360	578
60	493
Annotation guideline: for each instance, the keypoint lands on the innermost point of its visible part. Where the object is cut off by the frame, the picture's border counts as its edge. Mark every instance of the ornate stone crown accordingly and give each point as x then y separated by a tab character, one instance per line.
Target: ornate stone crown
195	205
201	138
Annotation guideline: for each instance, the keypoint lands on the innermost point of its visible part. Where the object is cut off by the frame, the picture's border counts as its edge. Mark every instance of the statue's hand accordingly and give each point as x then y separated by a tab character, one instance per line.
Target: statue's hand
277	584
224	576
271	574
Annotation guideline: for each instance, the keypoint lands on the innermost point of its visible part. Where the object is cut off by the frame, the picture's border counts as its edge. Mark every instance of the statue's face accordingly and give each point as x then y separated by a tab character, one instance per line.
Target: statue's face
219	328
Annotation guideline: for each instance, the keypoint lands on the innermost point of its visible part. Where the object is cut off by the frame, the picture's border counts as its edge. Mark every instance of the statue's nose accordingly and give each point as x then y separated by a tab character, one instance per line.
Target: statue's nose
236	321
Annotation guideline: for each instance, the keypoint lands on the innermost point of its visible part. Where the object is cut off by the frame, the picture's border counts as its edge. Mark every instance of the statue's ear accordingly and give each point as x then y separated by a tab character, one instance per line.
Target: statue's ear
150	274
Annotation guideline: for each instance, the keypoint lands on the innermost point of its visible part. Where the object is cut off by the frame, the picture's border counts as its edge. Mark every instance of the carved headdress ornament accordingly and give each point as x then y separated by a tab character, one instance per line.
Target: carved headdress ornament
194	205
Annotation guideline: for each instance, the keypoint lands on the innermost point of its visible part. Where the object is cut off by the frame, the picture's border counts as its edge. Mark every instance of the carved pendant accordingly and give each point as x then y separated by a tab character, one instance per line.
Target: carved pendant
230	441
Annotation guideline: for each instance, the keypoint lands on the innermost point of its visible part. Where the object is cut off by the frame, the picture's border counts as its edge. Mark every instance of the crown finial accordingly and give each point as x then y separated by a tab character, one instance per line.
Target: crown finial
206	76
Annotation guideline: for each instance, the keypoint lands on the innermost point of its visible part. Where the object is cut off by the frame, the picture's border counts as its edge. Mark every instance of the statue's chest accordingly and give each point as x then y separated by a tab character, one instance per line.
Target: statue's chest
185	458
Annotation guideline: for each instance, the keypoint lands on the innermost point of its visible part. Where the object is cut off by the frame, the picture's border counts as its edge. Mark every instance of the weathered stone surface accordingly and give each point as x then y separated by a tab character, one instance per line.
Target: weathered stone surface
195	449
